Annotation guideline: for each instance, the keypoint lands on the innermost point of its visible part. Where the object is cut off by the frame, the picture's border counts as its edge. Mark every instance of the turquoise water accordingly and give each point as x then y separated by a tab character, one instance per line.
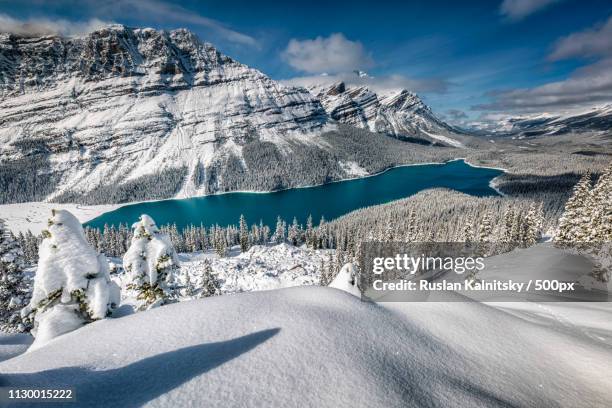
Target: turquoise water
329	200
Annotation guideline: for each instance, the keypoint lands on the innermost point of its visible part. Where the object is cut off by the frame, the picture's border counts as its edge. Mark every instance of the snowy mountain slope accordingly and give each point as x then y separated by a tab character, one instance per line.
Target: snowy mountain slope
315	346
402	113
597	119
120	104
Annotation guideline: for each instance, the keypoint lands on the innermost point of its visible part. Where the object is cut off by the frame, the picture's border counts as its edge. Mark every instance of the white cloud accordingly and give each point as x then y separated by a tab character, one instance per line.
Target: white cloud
595	42
587	86
519	9
143	11
162	12
332	54
42	26
380	84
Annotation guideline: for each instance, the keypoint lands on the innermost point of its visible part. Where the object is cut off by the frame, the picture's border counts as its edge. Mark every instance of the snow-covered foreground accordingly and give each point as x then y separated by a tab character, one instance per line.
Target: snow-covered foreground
313	346
13	344
33	216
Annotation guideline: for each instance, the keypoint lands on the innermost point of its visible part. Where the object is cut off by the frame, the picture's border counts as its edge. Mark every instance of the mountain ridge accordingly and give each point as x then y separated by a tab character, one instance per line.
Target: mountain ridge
137	113
400	113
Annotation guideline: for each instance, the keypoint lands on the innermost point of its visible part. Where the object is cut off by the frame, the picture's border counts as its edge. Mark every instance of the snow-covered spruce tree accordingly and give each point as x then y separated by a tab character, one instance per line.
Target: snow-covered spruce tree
13	290
601	211
310	235
485	229
207	284
279	232
531	228
72	285
151	264
293	232
585	225
468	233
574	223
244	234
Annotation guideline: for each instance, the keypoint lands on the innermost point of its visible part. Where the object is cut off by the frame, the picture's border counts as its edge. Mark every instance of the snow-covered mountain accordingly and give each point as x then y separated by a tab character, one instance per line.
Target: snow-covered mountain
122	103
596	119
401	113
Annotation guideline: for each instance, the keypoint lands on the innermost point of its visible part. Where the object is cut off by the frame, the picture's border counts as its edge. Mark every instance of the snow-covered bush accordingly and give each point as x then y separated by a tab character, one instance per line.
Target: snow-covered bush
346	280
151	264
13	289
72	285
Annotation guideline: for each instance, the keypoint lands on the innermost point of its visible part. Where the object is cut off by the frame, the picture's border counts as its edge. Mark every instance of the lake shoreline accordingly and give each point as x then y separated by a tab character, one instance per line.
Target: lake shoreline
329	200
21	217
465	160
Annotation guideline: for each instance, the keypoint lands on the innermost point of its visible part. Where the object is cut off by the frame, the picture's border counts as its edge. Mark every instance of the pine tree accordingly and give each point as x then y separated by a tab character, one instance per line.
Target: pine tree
485	230
72	285
468	234
151	264
532	224
327	273
244	234
508	226
279	232
292	234
310	236
411	227
13	289
574	223
209	284
600	230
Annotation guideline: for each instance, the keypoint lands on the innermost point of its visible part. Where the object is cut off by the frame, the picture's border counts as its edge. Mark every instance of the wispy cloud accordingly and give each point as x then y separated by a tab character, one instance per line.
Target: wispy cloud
594	42
518	9
586	86
158	11
331	54
43	26
381	84
100	13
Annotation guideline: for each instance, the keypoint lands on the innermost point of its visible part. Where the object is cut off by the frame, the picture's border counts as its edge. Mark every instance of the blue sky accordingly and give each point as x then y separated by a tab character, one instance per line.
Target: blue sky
465	58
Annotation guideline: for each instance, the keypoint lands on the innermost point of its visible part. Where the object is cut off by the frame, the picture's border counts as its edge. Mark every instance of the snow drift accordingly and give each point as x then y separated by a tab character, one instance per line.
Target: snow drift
314	346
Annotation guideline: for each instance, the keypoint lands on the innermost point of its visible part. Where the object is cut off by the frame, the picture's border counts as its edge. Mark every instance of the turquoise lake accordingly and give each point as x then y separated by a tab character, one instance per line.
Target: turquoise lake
329	200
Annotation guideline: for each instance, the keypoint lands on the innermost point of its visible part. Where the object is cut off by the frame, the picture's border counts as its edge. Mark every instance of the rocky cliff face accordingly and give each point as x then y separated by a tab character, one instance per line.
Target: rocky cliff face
401	114
119	104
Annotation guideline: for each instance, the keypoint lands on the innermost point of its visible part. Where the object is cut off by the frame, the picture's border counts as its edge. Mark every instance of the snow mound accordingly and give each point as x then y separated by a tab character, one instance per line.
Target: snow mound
315	346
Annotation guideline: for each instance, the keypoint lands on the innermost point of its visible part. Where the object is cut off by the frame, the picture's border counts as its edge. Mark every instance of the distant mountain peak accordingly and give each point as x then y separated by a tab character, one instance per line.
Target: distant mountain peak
399	113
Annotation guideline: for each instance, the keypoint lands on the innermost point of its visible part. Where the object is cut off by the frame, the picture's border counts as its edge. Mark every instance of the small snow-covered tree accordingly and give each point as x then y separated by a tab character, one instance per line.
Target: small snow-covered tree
310	235
72	285
151	264
508	226
279	232
293	232
468	233
208	284
486	229
13	290
244	234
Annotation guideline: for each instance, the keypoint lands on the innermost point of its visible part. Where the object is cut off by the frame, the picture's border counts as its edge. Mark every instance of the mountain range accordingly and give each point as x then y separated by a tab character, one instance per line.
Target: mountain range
124	114
121	105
